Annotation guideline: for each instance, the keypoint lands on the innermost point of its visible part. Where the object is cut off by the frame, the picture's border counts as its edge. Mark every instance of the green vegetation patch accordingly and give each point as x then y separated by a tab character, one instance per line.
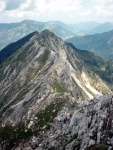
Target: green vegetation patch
104	68
20	96
46	116
17	99
11	136
9	111
72	139
44	57
97	147
32	72
26	103
23	54
62	138
3	101
52	148
58	87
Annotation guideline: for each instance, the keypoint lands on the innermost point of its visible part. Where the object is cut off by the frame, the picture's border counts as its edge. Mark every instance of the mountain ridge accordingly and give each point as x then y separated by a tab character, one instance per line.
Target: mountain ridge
101	44
42	84
105	27
47	40
8	50
100	66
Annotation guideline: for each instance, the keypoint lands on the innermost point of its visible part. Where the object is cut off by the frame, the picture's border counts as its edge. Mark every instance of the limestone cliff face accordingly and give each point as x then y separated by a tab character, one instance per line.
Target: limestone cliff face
88	126
38	71
42	79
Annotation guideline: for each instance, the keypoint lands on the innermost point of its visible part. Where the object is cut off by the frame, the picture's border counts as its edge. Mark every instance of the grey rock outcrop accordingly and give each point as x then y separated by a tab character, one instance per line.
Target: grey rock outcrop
47	86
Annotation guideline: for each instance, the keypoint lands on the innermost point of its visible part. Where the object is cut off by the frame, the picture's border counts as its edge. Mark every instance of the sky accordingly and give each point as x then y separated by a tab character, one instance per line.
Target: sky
68	11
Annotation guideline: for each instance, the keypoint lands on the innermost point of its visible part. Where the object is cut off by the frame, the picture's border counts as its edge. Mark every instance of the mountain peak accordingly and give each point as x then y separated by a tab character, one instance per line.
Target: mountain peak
42	83
28	21
47	32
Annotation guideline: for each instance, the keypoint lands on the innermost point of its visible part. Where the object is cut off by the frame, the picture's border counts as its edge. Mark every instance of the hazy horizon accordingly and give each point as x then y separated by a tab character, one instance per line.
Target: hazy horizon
67	11
54	21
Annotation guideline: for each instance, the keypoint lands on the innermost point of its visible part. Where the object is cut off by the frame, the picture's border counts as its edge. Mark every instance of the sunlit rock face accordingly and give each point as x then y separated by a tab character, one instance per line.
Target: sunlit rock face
45	84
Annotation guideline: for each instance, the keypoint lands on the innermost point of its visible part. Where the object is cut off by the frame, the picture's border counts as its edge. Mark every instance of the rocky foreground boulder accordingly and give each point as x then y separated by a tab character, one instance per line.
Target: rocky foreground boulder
88	126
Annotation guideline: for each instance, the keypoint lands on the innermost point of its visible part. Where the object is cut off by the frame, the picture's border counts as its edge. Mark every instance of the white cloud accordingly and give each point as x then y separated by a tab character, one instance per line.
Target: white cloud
13	4
51	6
63	10
2	6
39	7
26	5
17	14
85	13
103	11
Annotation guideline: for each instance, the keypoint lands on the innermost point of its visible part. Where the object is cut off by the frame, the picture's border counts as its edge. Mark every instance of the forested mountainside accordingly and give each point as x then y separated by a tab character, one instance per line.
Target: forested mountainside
100	44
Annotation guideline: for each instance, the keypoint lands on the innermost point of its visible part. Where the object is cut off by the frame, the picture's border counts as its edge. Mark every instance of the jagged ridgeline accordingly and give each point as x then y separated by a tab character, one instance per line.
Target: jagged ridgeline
42	82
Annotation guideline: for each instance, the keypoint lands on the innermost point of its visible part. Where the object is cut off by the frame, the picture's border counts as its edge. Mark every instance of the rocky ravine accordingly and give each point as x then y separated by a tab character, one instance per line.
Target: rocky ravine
45	84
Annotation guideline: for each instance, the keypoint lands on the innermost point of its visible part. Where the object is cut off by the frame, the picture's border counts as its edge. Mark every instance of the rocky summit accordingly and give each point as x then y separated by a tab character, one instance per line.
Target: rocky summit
47	98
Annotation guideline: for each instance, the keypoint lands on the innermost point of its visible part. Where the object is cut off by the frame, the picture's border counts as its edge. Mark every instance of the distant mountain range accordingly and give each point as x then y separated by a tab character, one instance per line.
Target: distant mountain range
103	27
14	31
100	44
87	28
